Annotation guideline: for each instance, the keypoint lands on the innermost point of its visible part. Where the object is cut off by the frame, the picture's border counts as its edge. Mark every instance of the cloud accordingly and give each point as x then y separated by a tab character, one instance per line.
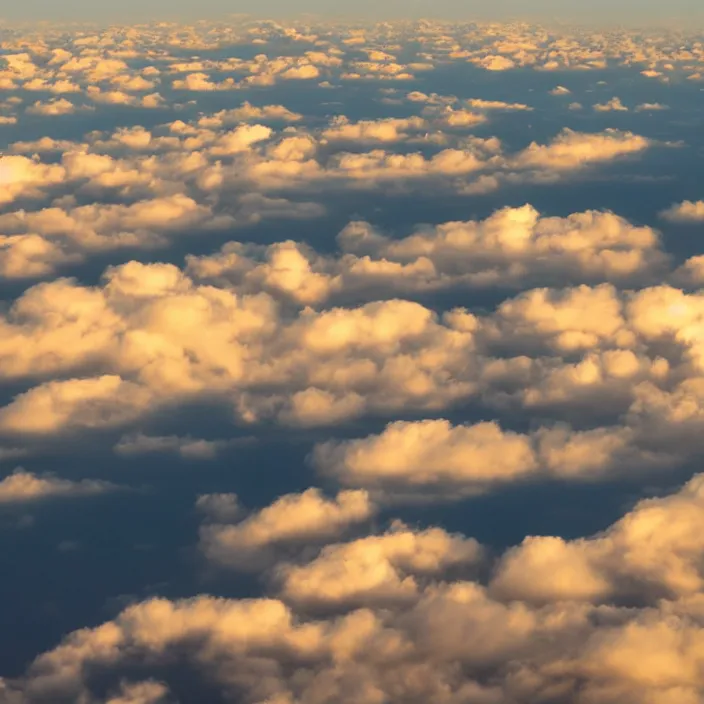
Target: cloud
44	240
511	248
653	552
495	62
393	622
386	130
23	487
75	403
572	149
187	447
431	459
247	113
149	692
292	520
651	107
613	105
220	508
376	570
481	104
687	211
22	177
60	106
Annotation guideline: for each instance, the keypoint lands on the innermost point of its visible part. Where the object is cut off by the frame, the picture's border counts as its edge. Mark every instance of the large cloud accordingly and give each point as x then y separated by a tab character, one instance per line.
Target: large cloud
511	248
430	457
531	636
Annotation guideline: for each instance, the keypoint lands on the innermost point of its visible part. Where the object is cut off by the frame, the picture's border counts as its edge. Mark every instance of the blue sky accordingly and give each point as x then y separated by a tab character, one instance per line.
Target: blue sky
597	11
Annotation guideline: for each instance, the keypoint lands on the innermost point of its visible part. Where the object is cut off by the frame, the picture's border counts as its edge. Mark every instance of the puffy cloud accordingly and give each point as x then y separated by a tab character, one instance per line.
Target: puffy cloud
387	130
292	520
147	322
613	105
74	403
60	106
572	149
653	552
517	244
432	458
513	247
687	211
494	62
23	487
23	177
248	112
377	569
420	634
240	139
42	240
29	256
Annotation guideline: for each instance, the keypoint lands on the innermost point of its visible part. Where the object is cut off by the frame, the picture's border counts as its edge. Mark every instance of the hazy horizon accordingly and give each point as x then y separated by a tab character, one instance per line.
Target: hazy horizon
599	12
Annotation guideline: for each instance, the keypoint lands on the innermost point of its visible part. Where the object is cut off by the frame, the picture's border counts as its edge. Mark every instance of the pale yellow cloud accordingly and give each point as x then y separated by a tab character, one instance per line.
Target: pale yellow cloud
686	211
23	487
292	520
572	149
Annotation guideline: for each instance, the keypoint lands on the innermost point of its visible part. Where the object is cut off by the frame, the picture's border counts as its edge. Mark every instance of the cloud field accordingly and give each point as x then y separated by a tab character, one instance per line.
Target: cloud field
301	320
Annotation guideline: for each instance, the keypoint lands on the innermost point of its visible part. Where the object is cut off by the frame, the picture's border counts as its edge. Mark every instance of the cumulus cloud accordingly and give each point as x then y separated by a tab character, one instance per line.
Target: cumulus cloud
377	569
75	403
387	130
23	177
613	105
687	211
434	459
575	149
653	552
511	248
40	241
393	622
292	520
23	487
60	106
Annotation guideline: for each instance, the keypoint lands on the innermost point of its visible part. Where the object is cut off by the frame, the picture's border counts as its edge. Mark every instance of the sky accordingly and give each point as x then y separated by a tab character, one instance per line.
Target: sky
350	363
633	12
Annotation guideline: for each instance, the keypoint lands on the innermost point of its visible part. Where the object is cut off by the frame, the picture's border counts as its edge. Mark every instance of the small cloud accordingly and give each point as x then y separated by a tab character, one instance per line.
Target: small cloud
687	211
651	107
187	447
24	487
613	105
